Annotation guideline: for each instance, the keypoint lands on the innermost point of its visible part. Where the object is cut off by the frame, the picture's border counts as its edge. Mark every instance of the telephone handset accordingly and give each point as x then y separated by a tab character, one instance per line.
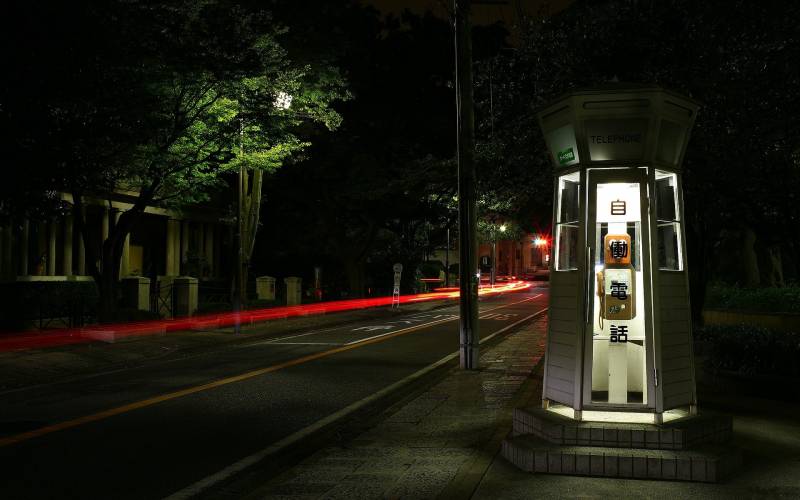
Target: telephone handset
600	290
615	283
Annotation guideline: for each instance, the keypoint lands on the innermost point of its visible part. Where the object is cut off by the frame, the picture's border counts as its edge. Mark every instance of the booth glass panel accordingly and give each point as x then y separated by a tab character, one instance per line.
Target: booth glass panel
567	226
618	328
668	240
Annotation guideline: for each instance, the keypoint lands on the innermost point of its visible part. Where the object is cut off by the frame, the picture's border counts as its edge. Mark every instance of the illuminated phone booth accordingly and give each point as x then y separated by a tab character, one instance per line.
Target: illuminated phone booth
620	327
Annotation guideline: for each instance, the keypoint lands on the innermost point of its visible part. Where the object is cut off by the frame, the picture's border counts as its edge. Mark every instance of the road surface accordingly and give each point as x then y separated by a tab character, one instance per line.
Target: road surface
151	431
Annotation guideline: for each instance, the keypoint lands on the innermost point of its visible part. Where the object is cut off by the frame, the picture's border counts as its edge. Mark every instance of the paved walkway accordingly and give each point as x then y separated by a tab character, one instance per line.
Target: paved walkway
439	444
445	443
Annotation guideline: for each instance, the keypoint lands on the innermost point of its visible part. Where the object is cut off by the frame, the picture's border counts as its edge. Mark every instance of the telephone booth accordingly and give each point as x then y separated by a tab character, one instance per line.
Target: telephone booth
620	325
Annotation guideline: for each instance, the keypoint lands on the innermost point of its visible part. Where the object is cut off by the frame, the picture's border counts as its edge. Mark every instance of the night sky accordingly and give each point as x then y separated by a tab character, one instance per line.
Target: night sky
481	14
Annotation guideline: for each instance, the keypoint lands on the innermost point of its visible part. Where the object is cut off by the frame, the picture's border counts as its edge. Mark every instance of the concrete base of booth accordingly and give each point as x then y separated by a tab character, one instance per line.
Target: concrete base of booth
694	448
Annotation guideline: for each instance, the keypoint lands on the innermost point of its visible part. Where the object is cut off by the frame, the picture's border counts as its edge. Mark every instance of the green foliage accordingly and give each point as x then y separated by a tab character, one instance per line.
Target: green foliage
750	350
783	299
165	98
495	230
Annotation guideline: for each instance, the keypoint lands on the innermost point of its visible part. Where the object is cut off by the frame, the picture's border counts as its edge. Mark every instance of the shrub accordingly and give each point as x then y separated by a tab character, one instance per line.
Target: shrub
784	299
751	350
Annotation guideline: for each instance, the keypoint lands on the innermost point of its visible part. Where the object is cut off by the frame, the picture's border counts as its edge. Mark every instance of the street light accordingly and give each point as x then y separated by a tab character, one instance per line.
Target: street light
283	101
494	254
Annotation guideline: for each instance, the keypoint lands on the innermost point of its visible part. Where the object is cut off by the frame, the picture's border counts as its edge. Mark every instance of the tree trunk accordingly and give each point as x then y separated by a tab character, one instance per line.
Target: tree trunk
107	276
356	276
251	190
750	273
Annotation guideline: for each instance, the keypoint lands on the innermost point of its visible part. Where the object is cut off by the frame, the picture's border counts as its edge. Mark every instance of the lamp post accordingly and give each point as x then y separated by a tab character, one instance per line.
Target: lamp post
502	229
283	101
447	261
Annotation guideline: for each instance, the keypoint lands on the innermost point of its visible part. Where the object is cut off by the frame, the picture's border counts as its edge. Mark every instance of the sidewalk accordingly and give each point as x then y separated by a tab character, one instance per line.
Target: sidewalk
445	444
439	444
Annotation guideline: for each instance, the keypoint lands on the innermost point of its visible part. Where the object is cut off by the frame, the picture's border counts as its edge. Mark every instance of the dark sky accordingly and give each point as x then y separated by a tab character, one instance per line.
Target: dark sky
481	14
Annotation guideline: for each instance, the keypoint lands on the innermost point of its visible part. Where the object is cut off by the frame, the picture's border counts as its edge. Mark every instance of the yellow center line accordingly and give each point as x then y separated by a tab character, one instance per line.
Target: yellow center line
68	424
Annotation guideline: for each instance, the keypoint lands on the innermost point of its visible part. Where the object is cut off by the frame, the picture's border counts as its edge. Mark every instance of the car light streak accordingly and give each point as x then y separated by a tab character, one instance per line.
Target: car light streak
37	340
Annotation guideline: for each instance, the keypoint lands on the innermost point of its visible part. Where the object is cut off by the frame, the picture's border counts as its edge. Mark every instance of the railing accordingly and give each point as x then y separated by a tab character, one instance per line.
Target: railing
162	298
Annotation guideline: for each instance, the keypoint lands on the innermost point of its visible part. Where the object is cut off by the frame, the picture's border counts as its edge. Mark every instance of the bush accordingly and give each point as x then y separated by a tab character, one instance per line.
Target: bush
751	350
784	299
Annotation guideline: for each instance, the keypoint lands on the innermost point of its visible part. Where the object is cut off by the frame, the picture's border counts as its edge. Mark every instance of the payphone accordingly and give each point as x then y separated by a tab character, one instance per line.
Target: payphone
615	282
619	337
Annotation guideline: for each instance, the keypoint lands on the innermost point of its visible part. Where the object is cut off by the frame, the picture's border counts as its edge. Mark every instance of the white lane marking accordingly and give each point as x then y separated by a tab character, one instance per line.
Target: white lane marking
307	343
415	327
314	332
372	328
439	321
235	468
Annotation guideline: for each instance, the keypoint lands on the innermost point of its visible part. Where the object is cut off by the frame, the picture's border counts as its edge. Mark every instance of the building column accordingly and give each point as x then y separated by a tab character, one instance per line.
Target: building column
67	254
24	248
185	227
105	224
8	247
209	248
51	249
124	264
82	248
173	251
200	239
40	266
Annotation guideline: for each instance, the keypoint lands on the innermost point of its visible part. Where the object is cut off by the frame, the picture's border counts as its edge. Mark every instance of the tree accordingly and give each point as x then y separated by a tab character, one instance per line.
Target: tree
735	58
166	99
383	189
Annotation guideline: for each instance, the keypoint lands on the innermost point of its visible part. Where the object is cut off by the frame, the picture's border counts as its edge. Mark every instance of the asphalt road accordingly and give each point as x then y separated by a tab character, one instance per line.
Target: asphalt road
148	432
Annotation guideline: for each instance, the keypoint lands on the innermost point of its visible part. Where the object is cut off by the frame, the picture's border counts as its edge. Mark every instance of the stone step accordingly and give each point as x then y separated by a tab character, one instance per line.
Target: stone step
679	434
708	463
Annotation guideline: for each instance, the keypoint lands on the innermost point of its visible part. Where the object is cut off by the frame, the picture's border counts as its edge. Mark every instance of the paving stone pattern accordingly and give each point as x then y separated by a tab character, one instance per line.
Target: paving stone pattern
417	451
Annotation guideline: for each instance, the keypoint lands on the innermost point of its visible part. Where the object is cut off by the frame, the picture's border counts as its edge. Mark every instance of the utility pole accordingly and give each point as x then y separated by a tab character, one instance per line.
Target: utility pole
469	336
239	276
238	296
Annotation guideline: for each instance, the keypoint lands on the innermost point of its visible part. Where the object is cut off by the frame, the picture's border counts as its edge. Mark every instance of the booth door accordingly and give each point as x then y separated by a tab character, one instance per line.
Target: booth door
618	332
563	360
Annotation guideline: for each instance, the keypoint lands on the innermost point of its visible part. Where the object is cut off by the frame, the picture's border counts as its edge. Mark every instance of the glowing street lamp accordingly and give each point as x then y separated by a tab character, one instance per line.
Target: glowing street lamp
493	277
283	100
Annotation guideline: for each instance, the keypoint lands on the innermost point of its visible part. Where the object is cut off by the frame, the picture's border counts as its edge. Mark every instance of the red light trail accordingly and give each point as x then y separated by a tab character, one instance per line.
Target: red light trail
37	340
